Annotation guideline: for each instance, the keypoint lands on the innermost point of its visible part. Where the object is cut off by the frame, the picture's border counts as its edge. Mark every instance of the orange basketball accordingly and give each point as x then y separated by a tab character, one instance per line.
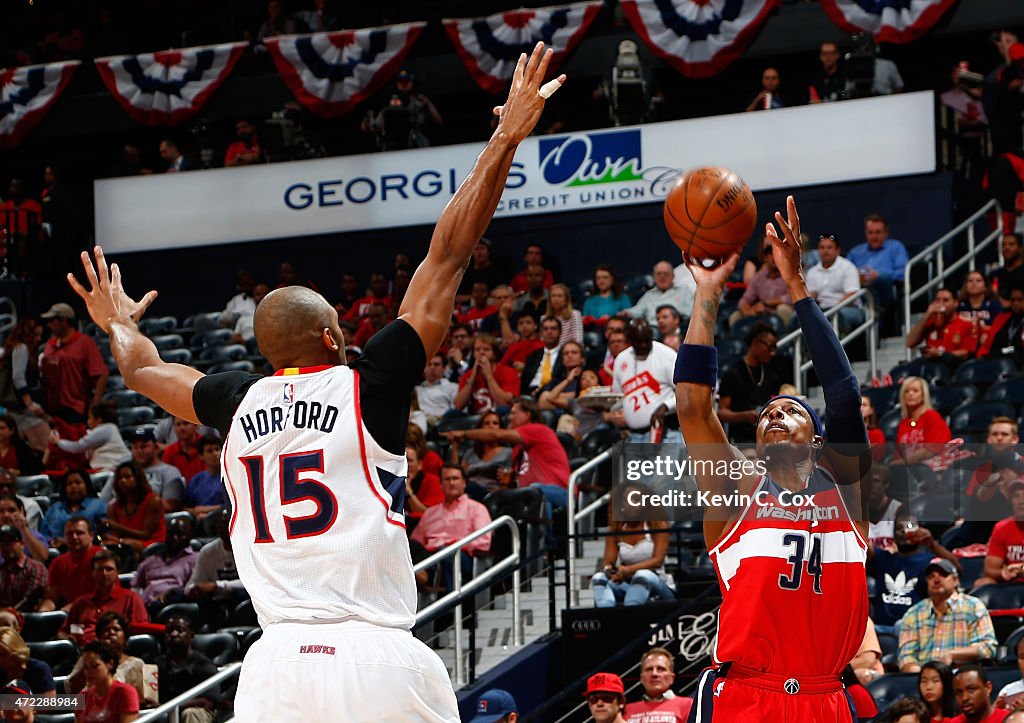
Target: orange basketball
710	213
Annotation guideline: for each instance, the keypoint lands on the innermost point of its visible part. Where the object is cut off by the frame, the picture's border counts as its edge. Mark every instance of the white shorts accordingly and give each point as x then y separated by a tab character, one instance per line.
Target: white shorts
351	671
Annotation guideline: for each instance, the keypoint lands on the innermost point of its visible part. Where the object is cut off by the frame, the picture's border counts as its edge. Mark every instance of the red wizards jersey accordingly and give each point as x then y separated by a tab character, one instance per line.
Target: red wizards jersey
794	589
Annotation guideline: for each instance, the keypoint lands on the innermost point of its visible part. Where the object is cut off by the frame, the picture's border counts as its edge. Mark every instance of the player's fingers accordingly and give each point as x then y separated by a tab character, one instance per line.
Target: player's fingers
497	109
144	303
517	74
548	89
90	272
769	230
787	229
77	287
531	65
794	217
101	268
542	65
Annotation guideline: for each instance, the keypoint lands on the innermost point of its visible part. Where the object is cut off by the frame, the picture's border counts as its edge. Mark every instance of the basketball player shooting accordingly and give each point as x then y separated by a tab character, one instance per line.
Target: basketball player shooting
314	463
790	560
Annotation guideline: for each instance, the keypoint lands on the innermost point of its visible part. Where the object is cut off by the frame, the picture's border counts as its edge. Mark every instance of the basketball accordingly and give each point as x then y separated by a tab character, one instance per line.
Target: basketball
710	213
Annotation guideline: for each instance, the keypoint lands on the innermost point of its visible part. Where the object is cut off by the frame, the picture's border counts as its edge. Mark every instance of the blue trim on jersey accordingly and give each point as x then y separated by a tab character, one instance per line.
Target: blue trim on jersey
395	486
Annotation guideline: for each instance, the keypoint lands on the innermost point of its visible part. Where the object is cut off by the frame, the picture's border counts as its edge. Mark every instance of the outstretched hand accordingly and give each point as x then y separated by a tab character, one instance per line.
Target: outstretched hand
105	298
525	99
715	275
788	248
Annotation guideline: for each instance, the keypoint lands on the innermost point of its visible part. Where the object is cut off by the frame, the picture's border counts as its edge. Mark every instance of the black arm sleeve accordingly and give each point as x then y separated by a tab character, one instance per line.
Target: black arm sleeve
843	421
215	397
391	365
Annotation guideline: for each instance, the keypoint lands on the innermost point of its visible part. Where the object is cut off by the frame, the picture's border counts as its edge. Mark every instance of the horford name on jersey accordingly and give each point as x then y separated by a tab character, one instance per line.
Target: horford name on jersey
300	415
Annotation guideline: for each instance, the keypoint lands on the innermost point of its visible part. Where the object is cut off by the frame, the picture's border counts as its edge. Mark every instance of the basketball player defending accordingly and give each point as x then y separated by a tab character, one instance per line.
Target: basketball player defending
314	463
791	569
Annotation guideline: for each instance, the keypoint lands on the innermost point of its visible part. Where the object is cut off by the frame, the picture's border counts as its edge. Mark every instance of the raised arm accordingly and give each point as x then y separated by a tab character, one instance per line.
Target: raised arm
169	385
427	305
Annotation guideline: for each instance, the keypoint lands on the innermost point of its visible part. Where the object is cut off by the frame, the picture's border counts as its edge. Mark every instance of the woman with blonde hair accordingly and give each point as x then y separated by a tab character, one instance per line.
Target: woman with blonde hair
923	432
16	663
559	306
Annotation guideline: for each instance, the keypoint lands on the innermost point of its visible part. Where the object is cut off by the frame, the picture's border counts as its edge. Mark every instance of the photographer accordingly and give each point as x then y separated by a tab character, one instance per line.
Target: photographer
401	123
867	74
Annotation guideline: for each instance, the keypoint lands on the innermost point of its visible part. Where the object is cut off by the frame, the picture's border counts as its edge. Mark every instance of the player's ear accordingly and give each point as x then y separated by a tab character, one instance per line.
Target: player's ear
817	441
327	337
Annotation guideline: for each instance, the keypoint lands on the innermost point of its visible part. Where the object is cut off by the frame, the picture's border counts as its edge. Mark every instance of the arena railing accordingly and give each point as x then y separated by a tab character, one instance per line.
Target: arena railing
478	583
868	328
932	256
574	518
169	711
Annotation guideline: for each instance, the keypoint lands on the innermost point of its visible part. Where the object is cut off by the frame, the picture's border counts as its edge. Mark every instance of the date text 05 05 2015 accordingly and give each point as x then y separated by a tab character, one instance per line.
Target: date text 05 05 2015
67	701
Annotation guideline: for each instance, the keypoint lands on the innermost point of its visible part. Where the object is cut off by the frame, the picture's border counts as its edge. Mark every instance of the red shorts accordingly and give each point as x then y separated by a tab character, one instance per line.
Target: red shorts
748	695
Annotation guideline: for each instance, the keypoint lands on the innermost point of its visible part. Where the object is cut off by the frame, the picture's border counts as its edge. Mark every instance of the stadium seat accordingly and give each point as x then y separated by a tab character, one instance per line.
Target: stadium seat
1001	597
134	416
182	515
598	440
146	647
44	502
1009	390
34	485
889	423
1001	677
890	688
60	655
243	614
933	372
154	548
743	326
221	648
167	341
635	286
946	399
1009	655
730	347
984	372
55	717
209	318
115	382
187	610
42	626
125	579
176	356
568	443
593	340
882	399
212	338
126	398
254	635
934	509
974	417
972	569
100	479
157	326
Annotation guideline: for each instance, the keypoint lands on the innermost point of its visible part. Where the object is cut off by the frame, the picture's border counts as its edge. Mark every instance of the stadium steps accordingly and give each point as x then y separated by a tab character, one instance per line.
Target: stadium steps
891	352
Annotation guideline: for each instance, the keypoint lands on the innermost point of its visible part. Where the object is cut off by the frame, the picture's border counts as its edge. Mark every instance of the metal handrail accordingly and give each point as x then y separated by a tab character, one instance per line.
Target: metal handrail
932	254
573	594
868	327
478	583
170	708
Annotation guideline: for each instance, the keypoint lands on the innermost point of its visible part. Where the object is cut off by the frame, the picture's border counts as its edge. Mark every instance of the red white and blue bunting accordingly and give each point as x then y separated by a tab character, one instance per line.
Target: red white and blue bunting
26	96
168	87
699	38
890	21
490	47
330	73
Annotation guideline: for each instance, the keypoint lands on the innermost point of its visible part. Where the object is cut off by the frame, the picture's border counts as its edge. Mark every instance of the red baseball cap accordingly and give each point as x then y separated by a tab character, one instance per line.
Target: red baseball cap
604	683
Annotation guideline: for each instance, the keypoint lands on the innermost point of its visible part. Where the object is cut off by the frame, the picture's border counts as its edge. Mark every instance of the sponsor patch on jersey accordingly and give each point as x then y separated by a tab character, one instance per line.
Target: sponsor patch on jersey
316	650
288	396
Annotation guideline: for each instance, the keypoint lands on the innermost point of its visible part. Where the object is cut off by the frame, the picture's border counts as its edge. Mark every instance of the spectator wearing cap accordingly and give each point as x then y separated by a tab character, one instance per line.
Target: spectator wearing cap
496	706
24	714
165	481
22	579
107	594
1004	563
606	698
72	370
136	516
833	280
947	626
659	703
70	574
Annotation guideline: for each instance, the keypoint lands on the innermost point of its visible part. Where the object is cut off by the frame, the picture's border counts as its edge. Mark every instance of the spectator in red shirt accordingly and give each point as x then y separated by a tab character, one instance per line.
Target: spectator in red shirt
246	150
185	453
659	704
945	335
538	459
107	595
422	490
375	320
876	438
22	218
1005	560
378	292
479	310
515	356
534	256
922	432
74	375
487	385
71	572
106	700
973	691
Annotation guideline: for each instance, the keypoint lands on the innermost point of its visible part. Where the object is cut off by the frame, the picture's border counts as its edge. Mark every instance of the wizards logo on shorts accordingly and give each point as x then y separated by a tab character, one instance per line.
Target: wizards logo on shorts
586	159
288	394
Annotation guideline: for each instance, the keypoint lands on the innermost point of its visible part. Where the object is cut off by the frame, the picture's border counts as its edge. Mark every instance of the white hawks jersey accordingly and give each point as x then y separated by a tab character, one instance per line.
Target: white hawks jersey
317	528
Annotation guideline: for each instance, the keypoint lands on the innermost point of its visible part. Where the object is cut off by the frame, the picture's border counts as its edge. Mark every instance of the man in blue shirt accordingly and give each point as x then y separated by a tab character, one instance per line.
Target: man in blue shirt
881	261
205	491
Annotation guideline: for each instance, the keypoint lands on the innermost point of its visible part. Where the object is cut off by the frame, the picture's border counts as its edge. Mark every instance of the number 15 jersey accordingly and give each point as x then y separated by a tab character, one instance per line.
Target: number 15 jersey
317	525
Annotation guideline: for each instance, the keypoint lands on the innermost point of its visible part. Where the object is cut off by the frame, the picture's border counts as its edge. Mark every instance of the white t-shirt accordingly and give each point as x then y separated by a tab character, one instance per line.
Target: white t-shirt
645	384
833	283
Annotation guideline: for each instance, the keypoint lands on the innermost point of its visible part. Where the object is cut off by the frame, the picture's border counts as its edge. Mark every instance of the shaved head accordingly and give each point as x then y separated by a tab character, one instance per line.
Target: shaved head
290	326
